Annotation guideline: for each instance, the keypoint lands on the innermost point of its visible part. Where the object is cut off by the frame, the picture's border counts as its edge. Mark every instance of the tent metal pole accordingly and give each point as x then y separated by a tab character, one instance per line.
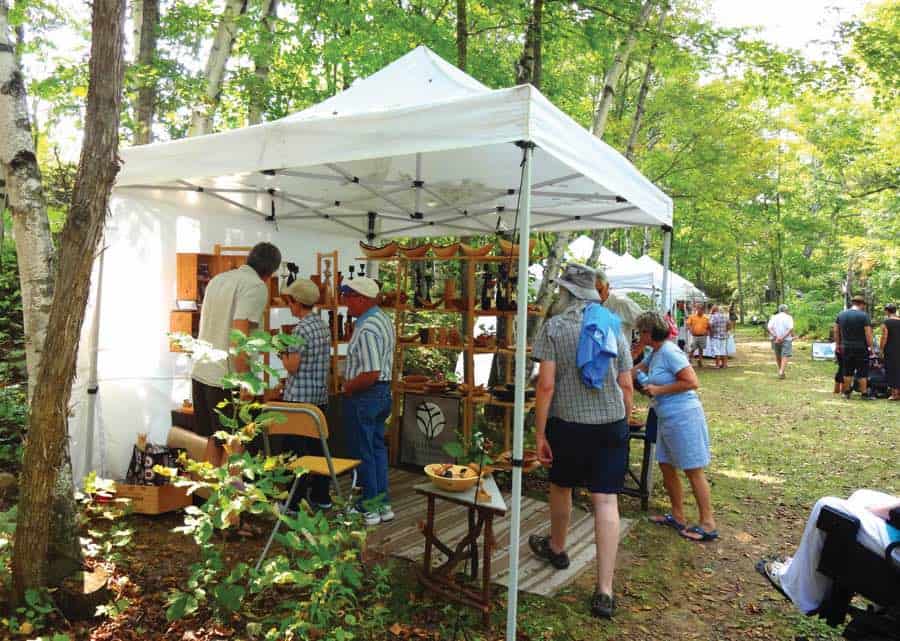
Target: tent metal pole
93	387
519	408
667	248
418	186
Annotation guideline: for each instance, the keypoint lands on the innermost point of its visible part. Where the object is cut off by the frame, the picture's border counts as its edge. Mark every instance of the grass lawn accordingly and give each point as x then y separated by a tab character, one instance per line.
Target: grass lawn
778	445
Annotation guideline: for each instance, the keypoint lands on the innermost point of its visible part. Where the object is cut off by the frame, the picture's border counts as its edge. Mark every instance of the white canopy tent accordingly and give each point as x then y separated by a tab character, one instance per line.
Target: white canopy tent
646	276
417	149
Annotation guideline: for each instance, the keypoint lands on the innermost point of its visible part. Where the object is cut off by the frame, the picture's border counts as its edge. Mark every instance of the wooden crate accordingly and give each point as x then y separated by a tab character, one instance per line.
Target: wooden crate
154	499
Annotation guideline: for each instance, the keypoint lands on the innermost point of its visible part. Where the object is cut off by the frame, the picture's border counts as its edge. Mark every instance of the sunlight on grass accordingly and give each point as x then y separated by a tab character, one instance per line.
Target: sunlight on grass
751	476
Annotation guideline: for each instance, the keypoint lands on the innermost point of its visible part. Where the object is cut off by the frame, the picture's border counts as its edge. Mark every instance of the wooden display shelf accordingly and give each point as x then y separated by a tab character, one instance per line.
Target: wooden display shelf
458	348
468	317
491	258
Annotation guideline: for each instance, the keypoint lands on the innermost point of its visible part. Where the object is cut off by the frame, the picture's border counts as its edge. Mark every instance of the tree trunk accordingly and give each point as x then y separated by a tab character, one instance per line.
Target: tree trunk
551	272
529	66
202	116
25	191
35	255
462	34
537	43
146	97
97	169
645	88
137	23
615	70
261	62
599	238
740	284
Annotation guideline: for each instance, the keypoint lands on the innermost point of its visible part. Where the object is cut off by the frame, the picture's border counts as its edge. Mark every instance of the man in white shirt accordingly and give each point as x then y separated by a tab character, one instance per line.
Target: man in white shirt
234	299
781	331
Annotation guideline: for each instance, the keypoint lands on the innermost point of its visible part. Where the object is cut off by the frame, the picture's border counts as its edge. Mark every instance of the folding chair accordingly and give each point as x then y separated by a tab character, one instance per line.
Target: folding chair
307	420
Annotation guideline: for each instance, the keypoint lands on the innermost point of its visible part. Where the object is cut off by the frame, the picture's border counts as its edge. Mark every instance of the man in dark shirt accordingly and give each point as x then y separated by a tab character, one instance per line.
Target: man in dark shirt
853	343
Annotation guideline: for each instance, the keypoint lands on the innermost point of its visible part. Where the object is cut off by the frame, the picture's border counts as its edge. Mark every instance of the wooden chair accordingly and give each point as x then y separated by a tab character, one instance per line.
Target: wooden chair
307	420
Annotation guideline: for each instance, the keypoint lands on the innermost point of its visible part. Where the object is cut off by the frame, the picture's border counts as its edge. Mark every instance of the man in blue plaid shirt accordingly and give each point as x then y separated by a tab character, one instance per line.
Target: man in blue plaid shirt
307	366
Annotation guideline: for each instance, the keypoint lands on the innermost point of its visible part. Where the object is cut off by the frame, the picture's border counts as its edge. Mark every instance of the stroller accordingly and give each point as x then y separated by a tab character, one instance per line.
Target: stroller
878	387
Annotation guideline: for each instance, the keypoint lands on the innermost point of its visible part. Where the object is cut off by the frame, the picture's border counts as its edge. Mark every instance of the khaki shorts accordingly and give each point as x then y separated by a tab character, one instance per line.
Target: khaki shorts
783	349
698	341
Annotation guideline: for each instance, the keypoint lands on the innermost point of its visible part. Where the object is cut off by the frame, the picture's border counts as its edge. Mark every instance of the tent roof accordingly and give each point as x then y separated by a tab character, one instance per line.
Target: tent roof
647	268
426	147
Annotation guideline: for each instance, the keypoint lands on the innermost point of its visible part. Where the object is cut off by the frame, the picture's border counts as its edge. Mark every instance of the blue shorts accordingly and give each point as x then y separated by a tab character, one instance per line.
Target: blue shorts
683	439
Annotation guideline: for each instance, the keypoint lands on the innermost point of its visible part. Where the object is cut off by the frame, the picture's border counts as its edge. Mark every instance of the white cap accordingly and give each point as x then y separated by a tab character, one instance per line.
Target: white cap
363	286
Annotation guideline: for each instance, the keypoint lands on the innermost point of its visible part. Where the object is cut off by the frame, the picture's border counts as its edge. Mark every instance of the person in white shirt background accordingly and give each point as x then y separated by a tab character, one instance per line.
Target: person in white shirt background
781	332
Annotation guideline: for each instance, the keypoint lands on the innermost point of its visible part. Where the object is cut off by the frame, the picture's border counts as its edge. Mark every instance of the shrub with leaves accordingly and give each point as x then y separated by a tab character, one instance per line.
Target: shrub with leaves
316	576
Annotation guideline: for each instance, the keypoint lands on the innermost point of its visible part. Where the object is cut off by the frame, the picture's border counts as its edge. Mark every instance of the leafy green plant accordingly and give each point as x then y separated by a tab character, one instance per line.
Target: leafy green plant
101	517
475	449
13	416
317	577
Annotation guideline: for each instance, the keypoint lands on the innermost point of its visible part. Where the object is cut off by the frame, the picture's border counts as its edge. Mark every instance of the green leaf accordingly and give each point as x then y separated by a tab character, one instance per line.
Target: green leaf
181	604
229	596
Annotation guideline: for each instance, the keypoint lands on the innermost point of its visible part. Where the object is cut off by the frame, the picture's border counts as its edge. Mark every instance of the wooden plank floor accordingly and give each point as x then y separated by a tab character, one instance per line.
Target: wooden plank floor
401	537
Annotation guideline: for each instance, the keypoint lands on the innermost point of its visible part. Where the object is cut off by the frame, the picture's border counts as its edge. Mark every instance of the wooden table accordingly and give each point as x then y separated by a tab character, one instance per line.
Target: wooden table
442	579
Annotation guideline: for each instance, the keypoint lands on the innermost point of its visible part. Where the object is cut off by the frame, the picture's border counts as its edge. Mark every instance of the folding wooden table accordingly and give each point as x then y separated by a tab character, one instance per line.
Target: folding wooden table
481	511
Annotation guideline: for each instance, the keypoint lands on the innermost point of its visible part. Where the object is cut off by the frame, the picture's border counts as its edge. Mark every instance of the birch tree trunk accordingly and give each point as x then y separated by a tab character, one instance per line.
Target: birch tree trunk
24	187
146	97
528	67
203	112
262	61
599	238
35	255
97	169
462	34
615	70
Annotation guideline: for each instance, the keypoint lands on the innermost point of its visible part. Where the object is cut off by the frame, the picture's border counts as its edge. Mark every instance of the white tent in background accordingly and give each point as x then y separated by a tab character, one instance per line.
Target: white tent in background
646	277
417	149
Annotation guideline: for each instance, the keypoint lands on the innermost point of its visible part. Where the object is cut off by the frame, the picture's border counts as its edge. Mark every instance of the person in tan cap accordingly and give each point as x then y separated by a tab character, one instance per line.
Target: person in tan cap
307	366
367	393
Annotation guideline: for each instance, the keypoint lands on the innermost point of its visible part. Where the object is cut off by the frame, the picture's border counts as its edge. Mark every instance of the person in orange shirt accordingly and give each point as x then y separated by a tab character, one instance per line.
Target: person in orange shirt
698	324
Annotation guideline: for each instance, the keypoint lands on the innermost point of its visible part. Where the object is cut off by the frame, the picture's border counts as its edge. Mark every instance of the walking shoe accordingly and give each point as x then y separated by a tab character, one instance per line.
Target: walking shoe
540	545
602	605
386	513
370	518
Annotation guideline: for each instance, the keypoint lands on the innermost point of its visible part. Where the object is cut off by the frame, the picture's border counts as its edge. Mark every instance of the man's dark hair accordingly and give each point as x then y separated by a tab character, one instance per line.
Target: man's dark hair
264	258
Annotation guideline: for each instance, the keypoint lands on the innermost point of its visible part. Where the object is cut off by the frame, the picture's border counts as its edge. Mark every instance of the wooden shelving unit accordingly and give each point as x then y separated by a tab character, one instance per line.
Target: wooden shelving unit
470	312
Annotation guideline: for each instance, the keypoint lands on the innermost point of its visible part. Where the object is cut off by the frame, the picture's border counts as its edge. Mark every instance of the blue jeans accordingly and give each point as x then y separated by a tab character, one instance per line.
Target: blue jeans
364	415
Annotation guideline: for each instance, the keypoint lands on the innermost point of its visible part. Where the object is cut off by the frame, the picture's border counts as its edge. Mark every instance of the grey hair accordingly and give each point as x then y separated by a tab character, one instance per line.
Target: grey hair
782	308
601	276
652	322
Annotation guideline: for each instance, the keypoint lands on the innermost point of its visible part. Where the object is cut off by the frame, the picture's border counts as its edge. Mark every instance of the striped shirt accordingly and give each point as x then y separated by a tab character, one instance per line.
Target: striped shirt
308	385
371	347
574	401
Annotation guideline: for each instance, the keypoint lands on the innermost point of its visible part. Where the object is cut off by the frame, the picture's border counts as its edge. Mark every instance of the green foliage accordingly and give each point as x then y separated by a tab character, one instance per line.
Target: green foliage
476	449
13	417
33	616
814	315
101	517
12	342
316	578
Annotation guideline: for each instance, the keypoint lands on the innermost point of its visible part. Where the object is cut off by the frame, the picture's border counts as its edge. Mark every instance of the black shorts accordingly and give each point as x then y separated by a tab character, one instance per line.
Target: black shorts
206	398
591	456
855	362
839	374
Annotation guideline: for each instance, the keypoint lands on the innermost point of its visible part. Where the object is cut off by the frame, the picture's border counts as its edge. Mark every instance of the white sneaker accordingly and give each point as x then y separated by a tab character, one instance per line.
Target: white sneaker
386	513
370	518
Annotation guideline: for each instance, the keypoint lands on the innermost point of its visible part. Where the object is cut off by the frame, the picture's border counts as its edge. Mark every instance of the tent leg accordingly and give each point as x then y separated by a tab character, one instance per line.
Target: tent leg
667	249
524	214
93	389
